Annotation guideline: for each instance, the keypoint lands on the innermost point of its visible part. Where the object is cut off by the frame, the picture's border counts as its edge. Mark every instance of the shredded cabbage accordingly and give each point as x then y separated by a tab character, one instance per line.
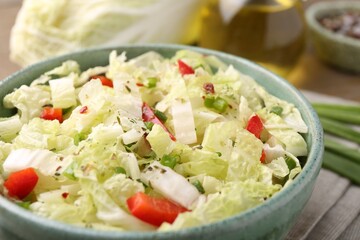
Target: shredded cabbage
110	147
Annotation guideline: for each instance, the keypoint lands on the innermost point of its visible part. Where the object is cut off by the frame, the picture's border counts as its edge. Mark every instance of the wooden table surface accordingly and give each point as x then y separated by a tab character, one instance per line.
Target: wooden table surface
309	74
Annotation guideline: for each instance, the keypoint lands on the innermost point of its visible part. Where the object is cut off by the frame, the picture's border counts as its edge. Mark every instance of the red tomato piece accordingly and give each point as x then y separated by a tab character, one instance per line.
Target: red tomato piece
20	184
104	80
50	113
255	126
184	68
152	210
148	115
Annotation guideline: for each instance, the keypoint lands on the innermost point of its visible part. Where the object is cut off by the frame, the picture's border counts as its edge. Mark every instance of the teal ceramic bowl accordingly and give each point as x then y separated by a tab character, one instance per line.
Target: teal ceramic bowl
335	49
271	220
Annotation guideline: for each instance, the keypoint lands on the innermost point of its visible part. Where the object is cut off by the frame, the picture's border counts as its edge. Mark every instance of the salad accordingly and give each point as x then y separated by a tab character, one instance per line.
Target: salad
147	144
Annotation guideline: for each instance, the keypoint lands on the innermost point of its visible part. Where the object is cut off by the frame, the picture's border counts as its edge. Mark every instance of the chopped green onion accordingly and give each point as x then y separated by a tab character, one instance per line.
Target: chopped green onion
129	147
220	104
152	81
25	205
342	166
277	110
290	163
120	170
200	65
69	172
78	138
160	115
169	160
67	111
54	76
149	125
198	186
209	102
339	129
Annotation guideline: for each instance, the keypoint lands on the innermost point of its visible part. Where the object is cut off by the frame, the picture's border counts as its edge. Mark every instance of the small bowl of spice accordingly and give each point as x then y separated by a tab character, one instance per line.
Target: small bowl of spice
335	32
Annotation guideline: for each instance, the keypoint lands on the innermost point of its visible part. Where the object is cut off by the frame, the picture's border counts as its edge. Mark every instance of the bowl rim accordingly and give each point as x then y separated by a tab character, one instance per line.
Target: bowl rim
308	173
321	8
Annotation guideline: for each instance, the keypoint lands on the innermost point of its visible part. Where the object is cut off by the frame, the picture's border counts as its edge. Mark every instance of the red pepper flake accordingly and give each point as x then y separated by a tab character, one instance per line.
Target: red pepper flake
65	195
83	109
58	168
139	84
104	80
209	88
263	156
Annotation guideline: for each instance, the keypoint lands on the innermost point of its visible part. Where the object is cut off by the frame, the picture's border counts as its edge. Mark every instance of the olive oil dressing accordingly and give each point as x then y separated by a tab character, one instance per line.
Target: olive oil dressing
270	32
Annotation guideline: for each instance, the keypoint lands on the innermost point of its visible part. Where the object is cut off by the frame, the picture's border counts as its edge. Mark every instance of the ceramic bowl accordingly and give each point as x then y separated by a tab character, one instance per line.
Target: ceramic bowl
270	220
335	49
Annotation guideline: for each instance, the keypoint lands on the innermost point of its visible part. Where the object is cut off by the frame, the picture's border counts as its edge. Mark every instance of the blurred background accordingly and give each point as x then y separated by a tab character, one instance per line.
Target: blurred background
207	23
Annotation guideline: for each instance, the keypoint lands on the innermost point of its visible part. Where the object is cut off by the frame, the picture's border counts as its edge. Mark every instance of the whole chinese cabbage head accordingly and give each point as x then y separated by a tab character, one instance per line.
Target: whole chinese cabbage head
48	28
